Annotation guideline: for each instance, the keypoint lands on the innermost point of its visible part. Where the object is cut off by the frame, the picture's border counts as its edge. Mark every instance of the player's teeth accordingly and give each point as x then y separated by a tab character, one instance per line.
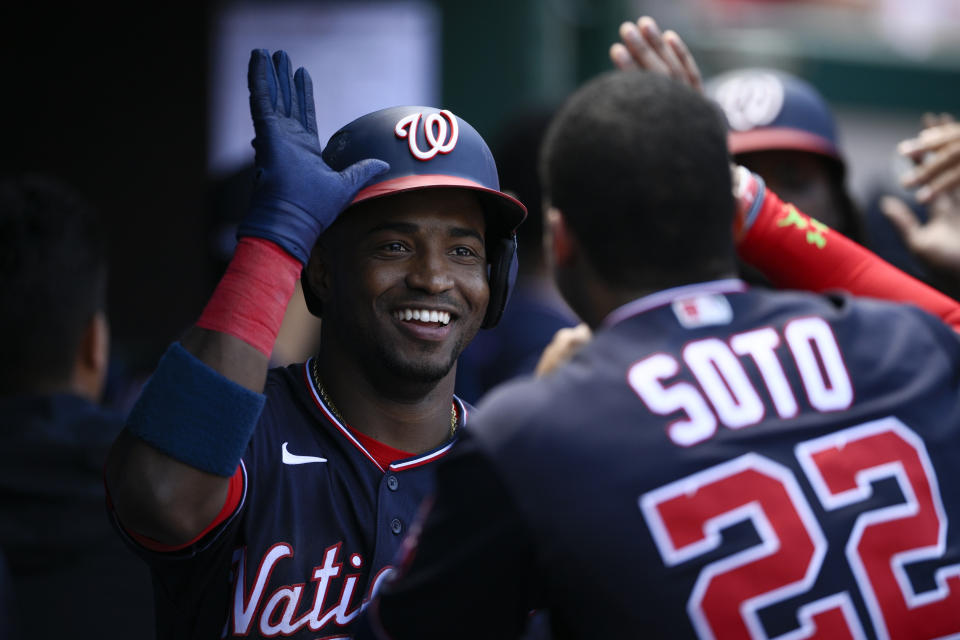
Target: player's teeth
423	315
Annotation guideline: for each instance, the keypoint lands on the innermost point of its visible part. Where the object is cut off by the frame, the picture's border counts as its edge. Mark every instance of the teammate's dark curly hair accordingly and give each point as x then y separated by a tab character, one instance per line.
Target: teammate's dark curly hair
638	164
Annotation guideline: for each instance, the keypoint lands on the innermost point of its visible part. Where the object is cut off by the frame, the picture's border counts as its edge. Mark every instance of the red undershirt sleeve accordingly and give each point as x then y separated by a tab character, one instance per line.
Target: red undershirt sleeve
795	251
235	492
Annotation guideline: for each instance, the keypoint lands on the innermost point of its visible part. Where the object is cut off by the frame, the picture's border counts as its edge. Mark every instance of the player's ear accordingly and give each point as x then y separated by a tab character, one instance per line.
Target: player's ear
318	270
92	358
561	244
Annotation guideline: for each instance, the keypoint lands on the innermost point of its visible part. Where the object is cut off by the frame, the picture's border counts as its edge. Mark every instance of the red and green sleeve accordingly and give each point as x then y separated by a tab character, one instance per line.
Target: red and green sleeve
795	251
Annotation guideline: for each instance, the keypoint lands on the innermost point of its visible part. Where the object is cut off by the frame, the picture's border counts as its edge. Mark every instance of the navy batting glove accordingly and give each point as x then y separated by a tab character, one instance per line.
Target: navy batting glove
296	195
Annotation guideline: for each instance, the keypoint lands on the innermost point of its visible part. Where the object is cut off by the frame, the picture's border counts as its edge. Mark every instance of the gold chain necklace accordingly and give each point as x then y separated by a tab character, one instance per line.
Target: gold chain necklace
315	373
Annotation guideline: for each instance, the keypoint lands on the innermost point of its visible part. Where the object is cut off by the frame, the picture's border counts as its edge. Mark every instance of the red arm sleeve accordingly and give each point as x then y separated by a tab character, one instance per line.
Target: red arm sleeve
796	251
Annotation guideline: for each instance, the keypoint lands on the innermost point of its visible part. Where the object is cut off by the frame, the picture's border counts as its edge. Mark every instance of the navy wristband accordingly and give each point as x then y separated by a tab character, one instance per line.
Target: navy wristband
194	414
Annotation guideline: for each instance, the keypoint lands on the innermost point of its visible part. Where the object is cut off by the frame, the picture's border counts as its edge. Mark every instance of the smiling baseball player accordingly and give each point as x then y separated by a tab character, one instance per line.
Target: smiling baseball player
271	503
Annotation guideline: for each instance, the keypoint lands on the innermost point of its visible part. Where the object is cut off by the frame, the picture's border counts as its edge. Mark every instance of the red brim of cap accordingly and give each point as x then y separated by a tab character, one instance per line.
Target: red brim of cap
773	138
514	211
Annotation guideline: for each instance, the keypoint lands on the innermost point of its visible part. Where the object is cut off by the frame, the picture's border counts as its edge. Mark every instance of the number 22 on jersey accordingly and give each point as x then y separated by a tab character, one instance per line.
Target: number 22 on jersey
686	517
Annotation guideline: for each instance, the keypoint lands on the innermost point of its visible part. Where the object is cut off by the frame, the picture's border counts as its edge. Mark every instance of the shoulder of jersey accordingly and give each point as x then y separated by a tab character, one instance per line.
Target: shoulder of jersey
873	322
285	383
517	406
285	373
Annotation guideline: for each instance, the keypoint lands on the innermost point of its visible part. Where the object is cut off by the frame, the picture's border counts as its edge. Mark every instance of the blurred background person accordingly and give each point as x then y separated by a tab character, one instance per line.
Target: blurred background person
71	575
536	310
782	128
856	76
779	126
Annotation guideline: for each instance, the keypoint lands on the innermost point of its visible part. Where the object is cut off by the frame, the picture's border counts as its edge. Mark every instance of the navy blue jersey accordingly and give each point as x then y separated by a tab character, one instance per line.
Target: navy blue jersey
512	348
719	462
320	522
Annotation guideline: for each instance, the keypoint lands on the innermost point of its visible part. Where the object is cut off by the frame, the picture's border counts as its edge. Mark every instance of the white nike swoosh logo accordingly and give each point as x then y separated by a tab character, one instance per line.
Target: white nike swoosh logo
290	458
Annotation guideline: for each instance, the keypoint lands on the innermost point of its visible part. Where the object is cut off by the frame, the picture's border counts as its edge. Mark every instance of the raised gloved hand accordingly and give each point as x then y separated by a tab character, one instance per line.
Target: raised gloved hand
296	195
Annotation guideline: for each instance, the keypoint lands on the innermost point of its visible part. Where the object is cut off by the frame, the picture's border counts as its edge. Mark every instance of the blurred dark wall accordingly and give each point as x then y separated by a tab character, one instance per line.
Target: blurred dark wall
113	101
501	56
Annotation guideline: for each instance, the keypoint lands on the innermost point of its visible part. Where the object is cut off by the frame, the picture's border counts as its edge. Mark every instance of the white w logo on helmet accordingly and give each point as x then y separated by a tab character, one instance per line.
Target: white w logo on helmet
434	130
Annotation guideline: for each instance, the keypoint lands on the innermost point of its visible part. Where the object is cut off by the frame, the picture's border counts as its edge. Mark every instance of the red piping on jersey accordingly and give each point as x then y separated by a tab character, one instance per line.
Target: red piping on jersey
401	466
236	494
348	431
329	414
410	464
666	296
384	453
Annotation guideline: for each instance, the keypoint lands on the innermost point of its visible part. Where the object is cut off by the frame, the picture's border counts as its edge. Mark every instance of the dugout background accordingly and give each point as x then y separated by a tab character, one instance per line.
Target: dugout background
131	103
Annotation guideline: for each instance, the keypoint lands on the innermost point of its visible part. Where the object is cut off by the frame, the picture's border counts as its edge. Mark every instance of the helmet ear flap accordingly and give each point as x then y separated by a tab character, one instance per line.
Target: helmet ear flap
502	275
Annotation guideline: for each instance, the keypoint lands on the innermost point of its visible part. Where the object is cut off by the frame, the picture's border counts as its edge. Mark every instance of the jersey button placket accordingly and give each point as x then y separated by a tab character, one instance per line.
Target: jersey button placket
396	526
392	483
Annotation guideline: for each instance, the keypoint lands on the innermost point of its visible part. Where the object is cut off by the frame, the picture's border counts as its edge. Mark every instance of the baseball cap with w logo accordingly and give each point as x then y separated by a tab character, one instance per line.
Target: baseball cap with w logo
426	148
769	109
429	148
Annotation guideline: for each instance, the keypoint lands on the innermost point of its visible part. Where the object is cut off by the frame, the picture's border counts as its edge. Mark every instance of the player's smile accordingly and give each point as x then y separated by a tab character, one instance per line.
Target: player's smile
423	323
423	316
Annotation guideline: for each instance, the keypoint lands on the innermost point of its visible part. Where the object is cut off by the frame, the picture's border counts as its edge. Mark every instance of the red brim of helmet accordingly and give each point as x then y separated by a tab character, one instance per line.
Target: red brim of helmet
772	138
512	210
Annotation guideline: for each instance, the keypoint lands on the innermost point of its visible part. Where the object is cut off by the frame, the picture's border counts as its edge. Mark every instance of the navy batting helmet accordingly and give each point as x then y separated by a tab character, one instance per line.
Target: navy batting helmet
770	109
429	148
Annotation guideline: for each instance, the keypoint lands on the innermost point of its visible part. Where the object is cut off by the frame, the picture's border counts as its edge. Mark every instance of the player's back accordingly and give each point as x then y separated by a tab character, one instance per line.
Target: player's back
725	465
